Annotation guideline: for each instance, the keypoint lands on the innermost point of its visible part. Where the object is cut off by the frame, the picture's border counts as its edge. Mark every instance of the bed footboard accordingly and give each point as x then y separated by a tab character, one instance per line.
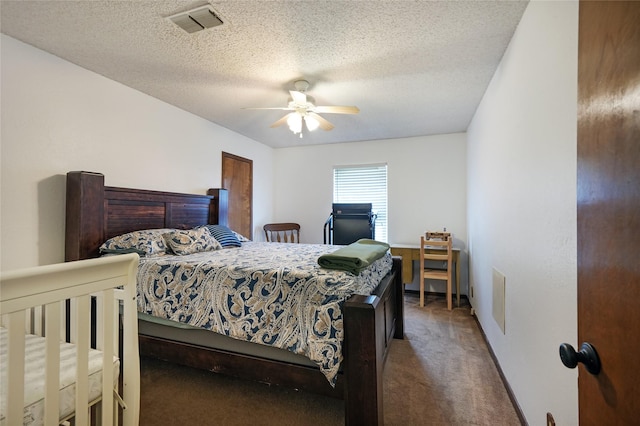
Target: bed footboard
367	319
60	297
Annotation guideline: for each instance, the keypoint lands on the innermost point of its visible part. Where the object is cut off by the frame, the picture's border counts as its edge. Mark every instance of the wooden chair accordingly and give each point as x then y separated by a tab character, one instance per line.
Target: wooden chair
436	246
282	232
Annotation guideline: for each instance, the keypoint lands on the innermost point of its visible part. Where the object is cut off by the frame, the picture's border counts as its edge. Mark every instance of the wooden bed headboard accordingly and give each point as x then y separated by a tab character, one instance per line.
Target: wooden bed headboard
95	212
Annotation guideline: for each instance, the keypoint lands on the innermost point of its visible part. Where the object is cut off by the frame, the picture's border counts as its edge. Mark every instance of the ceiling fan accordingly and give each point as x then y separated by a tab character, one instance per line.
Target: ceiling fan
303	109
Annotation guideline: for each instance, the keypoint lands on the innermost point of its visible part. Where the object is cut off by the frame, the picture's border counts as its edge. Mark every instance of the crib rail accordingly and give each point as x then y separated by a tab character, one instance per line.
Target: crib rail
50	290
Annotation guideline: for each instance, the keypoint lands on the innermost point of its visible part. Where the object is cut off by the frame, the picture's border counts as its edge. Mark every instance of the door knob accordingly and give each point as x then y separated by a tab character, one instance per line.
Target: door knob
587	355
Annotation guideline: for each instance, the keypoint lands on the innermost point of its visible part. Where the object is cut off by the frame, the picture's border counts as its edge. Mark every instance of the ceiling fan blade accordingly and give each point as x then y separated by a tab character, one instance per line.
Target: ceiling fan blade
282	121
298	97
280	108
337	109
324	123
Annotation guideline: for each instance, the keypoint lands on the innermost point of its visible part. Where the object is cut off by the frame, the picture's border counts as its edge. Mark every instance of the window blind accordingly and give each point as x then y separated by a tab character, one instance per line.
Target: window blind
364	184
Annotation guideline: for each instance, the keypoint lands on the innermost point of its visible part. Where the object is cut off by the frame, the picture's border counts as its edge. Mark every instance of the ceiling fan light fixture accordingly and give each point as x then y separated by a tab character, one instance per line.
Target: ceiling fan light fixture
312	123
295	123
303	108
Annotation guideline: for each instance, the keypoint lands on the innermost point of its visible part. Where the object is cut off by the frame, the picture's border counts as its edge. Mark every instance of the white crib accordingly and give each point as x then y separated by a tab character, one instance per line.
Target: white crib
43	305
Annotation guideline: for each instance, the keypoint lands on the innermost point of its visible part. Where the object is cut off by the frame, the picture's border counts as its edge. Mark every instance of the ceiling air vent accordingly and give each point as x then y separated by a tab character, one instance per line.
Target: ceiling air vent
196	19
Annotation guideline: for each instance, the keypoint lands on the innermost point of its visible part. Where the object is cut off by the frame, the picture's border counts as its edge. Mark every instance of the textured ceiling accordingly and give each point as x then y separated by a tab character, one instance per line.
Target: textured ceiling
412	67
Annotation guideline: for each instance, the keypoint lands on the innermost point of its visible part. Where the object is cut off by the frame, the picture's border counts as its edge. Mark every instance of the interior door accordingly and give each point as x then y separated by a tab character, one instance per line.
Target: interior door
608	203
237	178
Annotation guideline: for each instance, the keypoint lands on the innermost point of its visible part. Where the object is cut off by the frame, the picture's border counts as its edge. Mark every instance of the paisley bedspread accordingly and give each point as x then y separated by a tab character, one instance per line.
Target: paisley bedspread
268	293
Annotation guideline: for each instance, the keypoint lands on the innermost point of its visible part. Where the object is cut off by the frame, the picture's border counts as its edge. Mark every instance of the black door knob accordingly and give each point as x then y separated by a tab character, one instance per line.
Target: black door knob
587	355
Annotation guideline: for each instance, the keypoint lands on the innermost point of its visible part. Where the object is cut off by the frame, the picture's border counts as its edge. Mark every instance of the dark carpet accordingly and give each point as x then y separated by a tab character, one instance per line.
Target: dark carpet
440	374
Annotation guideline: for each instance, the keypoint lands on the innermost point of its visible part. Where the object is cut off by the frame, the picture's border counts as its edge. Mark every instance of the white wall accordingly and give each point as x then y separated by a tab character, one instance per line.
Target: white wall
58	117
522	208
426	186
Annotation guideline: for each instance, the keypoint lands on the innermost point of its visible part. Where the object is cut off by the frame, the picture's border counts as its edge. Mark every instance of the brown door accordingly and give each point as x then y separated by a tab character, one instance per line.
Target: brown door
608	201
237	177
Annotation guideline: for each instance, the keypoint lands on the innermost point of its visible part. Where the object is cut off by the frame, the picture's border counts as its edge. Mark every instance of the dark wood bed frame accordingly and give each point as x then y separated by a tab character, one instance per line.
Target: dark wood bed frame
95	212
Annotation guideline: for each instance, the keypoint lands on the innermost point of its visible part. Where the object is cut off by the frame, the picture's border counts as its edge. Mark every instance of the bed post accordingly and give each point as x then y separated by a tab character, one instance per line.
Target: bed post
370	323
84	230
363	362
220	216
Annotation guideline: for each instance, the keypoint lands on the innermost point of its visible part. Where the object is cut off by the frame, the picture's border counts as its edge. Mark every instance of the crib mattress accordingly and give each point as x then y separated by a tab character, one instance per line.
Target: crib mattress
35	377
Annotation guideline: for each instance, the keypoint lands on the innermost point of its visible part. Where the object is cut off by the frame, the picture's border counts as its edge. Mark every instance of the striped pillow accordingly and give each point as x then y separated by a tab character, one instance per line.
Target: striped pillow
224	235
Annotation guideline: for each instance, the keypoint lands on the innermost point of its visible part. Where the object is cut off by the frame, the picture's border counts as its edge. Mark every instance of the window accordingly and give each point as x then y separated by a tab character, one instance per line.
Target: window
364	184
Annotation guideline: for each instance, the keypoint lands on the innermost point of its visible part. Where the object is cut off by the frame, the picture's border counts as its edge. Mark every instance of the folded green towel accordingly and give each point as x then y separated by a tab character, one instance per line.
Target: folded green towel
354	257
